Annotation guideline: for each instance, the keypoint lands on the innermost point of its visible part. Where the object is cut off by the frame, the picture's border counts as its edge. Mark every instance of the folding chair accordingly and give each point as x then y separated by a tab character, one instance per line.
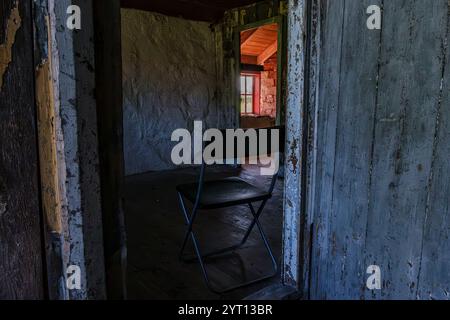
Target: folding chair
224	193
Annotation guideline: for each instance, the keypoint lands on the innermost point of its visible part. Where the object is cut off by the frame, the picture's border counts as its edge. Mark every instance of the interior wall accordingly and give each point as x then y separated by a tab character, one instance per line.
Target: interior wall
382	178
169	81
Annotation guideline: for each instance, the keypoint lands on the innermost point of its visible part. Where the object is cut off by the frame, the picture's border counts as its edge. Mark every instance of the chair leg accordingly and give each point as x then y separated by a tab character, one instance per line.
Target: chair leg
189	221
190	233
256	216
232	248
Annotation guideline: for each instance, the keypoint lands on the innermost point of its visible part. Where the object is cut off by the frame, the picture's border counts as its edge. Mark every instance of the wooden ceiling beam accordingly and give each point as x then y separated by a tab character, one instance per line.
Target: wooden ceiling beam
266	54
247	36
249	60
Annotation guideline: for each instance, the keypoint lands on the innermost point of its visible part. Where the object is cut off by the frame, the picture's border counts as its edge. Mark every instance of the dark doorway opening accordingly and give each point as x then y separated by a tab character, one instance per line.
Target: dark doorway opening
171	78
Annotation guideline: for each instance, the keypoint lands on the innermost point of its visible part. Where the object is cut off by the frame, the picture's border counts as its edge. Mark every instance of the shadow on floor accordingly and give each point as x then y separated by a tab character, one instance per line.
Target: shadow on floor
156	228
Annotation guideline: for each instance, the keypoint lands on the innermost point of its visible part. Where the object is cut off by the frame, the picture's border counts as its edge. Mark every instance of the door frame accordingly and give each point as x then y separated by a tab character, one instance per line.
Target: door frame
295	217
280	21
299	110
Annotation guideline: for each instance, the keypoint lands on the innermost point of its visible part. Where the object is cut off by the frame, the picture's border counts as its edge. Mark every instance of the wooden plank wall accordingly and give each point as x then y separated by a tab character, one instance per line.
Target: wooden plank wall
382	180
21	270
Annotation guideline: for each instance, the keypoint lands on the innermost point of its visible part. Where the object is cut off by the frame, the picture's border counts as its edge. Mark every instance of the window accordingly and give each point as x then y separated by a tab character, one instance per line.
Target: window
250	93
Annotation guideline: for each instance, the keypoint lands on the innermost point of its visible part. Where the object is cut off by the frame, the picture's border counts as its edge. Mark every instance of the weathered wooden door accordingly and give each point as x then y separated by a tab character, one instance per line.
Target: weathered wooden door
21	269
382	183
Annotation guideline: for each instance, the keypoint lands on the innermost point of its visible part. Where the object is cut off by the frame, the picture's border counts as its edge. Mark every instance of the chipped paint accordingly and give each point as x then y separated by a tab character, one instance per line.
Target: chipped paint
48	137
70	66
65	83
293	159
12	26
294	135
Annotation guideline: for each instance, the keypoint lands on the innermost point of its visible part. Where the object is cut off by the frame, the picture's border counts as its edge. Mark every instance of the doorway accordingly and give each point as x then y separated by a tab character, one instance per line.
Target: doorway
147	188
110	128
259	80
169	81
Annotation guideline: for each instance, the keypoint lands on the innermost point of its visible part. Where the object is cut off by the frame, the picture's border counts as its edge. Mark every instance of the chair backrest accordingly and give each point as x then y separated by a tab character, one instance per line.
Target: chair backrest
263	138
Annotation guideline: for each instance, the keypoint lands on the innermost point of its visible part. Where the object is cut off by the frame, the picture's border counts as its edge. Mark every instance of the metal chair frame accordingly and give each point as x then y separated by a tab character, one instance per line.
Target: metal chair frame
190	220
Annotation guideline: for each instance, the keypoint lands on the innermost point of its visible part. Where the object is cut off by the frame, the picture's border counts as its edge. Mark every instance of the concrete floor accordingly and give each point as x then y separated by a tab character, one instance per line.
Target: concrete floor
156	229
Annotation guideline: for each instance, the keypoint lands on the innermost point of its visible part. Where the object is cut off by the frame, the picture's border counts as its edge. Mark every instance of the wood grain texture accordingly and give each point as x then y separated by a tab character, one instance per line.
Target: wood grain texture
332	22
433	273
297	22
21	272
354	133
381	184
409	93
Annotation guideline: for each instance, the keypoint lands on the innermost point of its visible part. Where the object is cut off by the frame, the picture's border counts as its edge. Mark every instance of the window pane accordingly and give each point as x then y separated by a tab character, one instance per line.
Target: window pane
242	84
249	85
243	104
247	101
249	104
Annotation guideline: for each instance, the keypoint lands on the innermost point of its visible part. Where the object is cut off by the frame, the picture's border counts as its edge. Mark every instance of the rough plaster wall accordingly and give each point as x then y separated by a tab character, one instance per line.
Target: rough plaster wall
169	80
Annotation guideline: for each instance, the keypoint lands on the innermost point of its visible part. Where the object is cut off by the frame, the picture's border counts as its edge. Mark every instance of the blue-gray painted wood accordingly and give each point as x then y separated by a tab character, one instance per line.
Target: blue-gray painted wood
73	75
382	127
356	105
329	79
409	91
434	275
294	145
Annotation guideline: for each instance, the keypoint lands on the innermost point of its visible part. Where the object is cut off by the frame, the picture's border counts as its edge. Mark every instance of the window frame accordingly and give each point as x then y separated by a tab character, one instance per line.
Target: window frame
256	93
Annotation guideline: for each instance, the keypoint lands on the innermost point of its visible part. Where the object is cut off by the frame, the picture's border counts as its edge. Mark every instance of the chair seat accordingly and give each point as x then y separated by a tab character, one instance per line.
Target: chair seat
224	193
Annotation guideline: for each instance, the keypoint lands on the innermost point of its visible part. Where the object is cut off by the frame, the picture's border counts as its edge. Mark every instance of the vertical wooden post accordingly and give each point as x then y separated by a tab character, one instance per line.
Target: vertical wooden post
295	133
21	262
68	148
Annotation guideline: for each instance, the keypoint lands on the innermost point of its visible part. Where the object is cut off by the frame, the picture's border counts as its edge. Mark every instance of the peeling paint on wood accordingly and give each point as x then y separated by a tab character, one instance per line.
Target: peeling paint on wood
13	24
74	68
381	184
47	142
47	123
297	26
68	142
